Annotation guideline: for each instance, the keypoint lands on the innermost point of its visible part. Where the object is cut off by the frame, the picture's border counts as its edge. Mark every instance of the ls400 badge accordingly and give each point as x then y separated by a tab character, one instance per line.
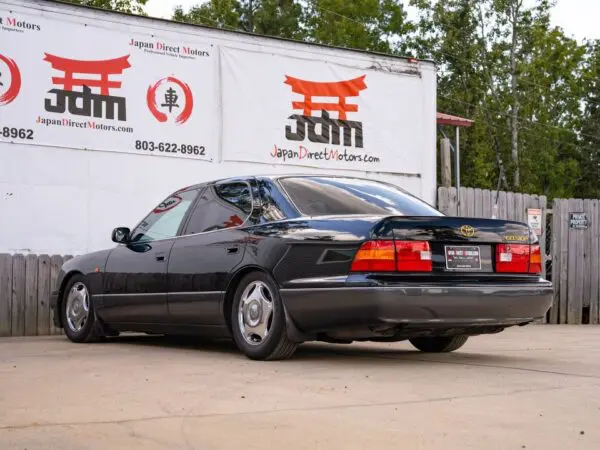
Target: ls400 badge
515	238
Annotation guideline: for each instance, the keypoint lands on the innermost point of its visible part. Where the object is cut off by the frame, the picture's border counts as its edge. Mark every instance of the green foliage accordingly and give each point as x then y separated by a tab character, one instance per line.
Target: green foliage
375	25
281	18
472	43
128	6
215	13
589	157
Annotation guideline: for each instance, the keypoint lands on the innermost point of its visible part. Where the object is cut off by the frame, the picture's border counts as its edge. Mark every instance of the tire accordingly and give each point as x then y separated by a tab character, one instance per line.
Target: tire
250	306
440	344
89	329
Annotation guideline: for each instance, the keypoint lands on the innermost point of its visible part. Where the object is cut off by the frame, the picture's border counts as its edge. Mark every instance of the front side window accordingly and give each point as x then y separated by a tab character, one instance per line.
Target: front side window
224	205
322	196
164	221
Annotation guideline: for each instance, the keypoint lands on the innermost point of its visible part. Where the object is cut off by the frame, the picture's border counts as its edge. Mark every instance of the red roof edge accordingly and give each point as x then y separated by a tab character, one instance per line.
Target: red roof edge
447	119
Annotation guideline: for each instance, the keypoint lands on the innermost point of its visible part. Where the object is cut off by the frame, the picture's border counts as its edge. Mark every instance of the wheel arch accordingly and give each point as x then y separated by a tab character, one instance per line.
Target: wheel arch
61	292
292	330
232	286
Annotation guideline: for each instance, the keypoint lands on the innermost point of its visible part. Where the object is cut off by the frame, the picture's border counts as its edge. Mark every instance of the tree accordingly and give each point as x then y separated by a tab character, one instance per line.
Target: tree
588	185
128	6
504	66
375	25
512	10
453	34
551	97
280	18
214	13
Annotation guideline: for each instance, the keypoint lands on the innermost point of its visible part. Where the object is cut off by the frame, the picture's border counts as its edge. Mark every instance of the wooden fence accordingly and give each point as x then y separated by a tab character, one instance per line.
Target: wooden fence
576	261
25	286
480	203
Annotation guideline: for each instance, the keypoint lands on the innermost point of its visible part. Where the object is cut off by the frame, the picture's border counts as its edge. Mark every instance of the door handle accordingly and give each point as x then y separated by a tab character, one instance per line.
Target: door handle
160	257
232	250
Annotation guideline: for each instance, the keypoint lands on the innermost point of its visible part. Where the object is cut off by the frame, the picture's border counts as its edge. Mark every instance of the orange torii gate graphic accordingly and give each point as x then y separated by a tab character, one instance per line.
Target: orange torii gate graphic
330	128
67	97
339	89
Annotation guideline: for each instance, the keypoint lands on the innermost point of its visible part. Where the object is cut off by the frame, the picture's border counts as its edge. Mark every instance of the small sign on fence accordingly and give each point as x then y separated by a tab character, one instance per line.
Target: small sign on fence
578	220
534	219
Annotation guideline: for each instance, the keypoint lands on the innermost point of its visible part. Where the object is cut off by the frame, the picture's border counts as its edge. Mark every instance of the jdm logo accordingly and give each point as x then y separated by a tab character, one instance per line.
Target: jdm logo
86	102
10	85
330	128
168	204
176	99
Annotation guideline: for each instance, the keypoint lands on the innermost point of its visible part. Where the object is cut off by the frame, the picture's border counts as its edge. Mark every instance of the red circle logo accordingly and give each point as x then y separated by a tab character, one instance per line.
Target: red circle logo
15	81
171	101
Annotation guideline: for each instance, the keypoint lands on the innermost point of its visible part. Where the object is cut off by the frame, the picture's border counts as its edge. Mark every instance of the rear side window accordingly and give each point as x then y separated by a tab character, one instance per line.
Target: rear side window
221	206
317	196
273	206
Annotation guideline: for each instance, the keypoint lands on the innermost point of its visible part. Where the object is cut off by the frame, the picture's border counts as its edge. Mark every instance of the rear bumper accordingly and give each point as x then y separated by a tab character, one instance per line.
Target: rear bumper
317	309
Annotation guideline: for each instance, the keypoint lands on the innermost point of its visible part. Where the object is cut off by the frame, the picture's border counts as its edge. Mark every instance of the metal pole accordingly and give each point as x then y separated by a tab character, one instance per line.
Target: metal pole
457	148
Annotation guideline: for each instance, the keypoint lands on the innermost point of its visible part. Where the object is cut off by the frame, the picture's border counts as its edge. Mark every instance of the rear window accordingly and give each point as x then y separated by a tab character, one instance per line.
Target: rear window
317	196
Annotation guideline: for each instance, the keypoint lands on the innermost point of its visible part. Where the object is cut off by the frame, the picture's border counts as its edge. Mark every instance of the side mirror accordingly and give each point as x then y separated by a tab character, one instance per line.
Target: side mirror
120	235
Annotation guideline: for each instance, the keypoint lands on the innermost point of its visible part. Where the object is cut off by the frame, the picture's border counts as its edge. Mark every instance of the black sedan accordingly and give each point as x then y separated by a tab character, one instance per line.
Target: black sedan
277	261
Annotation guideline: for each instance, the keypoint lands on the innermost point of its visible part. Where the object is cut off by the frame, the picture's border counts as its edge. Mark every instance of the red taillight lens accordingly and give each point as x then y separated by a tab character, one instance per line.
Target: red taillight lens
390	256
518	258
413	256
512	258
375	256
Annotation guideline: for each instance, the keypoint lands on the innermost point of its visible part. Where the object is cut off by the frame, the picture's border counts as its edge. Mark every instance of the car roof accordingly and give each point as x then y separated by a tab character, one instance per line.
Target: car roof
272	177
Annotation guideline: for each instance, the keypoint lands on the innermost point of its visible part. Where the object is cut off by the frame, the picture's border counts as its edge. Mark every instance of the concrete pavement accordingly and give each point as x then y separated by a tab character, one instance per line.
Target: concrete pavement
536	387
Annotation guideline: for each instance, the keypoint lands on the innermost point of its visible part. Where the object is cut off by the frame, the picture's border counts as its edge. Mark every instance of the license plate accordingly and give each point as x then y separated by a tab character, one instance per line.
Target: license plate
463	257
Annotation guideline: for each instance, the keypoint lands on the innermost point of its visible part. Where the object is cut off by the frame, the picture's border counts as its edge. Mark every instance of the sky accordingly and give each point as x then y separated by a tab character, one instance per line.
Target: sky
578	18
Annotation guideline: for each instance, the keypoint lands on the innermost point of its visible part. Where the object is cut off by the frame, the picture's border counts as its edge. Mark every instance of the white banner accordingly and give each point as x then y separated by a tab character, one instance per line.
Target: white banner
283	110
76	85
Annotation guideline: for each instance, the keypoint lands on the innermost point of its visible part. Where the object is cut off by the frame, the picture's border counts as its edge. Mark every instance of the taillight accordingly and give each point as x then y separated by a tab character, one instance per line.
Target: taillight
375	256
390	256
535	260
413	256
518	258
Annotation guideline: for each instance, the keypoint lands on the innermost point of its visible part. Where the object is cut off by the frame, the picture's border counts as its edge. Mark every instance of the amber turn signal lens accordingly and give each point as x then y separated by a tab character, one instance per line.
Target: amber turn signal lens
375	256
391	256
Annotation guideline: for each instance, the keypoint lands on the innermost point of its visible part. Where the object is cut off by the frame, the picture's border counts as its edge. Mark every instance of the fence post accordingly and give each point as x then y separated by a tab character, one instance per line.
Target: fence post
43	296
31	294
5	295
595	263
56	262
18	295
446	162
